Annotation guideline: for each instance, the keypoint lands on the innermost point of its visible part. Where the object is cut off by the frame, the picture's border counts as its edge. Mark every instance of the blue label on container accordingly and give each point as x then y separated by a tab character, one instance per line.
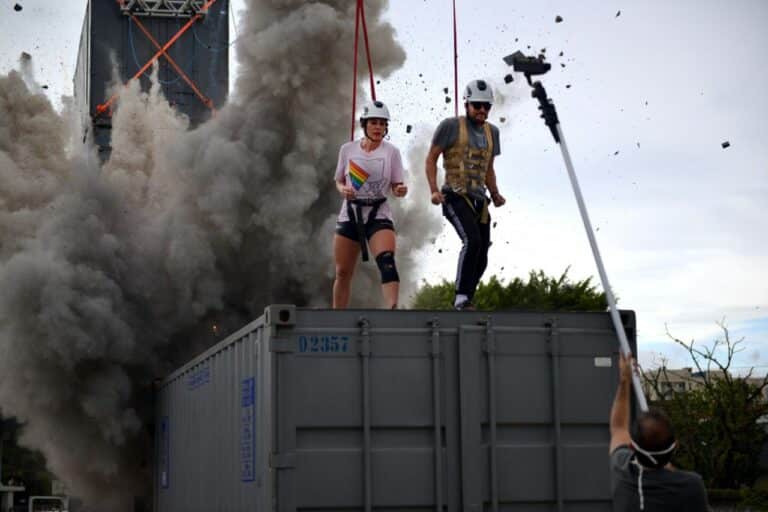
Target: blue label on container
198	378
324	344
248	430
165	452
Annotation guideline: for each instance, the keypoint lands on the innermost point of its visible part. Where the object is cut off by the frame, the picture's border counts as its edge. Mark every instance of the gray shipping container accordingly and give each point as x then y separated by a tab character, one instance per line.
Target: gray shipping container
319	410
111	41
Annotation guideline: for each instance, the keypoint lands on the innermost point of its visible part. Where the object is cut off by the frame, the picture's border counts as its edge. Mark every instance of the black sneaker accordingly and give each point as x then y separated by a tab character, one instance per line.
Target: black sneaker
465	306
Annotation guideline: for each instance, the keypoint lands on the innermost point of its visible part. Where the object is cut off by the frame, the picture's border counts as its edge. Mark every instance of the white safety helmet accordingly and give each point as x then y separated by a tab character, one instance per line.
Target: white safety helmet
478	90
375	110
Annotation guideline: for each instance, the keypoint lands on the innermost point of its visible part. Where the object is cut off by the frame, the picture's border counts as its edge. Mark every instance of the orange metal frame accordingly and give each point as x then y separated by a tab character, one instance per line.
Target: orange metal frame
162	51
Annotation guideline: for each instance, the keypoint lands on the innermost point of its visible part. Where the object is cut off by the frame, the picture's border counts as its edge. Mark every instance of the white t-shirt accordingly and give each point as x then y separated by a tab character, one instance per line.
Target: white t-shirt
371	174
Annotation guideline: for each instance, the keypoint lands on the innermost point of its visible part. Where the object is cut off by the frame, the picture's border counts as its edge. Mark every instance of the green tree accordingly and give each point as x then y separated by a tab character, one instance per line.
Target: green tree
716	422
538	292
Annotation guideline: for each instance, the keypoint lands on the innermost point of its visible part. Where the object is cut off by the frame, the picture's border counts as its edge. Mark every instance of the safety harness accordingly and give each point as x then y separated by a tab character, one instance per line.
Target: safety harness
466	168
355	214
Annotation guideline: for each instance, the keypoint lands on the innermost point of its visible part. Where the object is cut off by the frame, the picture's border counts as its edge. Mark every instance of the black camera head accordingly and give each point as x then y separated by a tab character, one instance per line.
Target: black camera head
529	66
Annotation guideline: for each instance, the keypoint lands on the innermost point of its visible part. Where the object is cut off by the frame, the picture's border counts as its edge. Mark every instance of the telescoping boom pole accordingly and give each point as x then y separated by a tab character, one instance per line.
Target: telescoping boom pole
536	66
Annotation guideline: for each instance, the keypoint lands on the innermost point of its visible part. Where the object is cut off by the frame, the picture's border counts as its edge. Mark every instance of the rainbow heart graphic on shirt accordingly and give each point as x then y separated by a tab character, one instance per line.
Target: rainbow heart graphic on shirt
357	175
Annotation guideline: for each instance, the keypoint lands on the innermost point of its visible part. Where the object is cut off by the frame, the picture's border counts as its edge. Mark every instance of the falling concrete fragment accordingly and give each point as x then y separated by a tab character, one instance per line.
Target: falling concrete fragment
17	8
616	153
494	224
726	144
447	99
408	129
562	65
618	14
568	86
558	19
445	90
561	54
440	251
508	79
502	119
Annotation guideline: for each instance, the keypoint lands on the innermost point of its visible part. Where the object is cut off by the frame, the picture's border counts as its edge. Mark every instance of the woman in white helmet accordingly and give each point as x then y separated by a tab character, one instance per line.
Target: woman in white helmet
368	170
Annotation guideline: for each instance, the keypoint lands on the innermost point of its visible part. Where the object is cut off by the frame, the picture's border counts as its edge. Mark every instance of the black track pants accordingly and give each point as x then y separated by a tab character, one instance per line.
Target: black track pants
475	237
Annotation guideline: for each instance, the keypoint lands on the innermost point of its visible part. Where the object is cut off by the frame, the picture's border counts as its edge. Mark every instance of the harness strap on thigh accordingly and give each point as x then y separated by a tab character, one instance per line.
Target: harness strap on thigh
356	215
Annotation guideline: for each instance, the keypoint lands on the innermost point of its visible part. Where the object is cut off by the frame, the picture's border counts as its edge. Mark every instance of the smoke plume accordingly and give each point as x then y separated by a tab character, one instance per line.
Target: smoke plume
112	275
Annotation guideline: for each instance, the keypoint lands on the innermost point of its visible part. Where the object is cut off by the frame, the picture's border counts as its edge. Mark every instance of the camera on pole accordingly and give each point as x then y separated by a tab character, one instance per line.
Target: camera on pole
532	66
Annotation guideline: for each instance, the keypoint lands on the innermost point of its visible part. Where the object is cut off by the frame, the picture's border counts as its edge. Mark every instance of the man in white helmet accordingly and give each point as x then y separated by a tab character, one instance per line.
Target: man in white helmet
468	145
369	169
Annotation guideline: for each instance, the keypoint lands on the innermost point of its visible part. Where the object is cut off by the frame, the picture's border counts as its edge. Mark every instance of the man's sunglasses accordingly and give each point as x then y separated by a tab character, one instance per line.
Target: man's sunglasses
477	105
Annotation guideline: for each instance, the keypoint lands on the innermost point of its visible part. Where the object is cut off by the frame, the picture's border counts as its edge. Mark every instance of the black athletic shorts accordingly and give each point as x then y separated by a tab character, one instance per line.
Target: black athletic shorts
348	229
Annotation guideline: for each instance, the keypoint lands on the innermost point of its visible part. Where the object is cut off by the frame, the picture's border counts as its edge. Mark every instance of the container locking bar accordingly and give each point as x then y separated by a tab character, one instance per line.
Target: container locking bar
490	349
436	398
554	352
365	353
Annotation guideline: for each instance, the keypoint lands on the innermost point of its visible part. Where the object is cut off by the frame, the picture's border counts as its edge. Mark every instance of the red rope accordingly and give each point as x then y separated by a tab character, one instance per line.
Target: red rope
360	18
367	50
354	75
455	65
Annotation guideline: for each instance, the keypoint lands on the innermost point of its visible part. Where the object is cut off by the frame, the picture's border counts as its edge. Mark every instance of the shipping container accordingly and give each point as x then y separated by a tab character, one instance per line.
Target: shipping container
320	410
114	46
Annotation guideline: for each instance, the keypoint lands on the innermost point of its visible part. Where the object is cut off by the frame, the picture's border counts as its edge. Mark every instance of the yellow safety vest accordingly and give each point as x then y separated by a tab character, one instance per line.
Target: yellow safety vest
465	166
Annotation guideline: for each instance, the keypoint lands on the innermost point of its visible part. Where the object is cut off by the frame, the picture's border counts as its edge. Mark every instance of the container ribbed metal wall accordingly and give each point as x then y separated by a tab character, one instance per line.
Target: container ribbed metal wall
111	37
310	410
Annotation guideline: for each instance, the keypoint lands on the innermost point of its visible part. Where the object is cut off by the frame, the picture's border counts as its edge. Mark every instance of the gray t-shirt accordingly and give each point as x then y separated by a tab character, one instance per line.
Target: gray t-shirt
448	131
664	490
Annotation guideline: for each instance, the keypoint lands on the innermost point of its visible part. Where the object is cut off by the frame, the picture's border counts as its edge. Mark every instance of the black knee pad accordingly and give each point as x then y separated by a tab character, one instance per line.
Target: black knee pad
386	263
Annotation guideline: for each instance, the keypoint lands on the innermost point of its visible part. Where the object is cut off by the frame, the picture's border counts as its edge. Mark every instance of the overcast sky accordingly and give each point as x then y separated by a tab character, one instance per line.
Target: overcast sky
656	87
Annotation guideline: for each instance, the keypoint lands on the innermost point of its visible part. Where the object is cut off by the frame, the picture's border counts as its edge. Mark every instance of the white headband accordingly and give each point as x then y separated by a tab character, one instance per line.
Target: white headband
650	454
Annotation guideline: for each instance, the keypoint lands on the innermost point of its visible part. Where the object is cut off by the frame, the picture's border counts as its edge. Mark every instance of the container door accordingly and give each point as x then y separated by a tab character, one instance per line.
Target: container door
534	406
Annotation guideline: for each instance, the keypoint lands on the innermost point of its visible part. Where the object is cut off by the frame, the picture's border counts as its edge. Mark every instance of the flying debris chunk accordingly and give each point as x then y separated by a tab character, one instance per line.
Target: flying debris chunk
568	86
408	129
562	65
447	99
494	224
45	87
445	90
17	7
508	79
440	251
502	119
561	54
616	153
618	14
558	19
726	144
